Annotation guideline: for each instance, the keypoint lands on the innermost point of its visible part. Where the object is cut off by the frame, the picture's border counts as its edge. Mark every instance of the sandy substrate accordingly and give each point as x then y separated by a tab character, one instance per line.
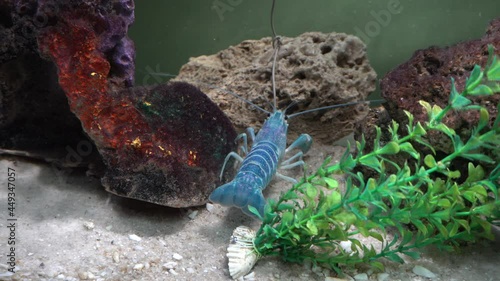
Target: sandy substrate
69	228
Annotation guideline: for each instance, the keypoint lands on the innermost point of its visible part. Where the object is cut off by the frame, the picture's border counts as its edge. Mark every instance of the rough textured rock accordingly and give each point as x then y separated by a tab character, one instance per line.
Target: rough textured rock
427	76
174	156
313	69
34	112
164	145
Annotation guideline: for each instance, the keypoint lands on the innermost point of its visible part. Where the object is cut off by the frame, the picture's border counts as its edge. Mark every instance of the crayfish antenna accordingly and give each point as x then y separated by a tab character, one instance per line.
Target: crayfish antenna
216	88
330	107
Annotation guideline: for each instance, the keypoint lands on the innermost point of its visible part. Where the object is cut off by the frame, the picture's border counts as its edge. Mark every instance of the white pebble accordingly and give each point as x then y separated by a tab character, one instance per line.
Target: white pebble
173	272
334	279
210	207
382	276
109	227
138	266
170	265
346	245
83	275
176	256
134	237
60	276
116	257
424	272
89	225
193	215
91	276
361	277
190	270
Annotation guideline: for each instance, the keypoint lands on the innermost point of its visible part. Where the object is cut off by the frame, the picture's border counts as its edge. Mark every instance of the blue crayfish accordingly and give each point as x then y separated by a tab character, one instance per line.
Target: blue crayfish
262	162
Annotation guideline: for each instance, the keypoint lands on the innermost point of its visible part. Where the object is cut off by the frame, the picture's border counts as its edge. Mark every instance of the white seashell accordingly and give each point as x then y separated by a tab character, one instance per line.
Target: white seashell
240	252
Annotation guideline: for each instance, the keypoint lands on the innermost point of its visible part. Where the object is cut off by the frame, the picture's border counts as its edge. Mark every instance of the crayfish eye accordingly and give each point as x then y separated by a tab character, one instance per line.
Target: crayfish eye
268	115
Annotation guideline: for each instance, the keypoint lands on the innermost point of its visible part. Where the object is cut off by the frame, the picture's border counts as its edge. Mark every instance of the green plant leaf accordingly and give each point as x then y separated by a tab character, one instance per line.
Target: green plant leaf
474	79
426	106
484	118
254	211
389	149
377	266
311	191
331	183
413	255
420	226
444	203
285	206
286	218
334	198
419	130
395	258
371	161
313	230
460	101
408	148
482	90
430	161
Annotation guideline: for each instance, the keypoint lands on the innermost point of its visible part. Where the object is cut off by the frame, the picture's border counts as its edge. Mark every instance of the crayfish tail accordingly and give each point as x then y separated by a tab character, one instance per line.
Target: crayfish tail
240	195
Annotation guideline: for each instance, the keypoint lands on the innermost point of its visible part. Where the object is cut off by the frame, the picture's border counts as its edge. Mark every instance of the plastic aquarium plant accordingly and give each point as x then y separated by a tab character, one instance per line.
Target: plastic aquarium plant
317	220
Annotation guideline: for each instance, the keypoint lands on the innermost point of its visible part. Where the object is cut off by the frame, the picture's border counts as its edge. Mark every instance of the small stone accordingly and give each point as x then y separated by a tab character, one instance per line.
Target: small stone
176	256
89	225
134	237
116	257
173	272
249	277
170	265
109	227
83	275
334	279
147	266
60	276
91	276
193	215
30	254
346	246
190	270
138	266
210	207
138	248
424	272
382	276
361	277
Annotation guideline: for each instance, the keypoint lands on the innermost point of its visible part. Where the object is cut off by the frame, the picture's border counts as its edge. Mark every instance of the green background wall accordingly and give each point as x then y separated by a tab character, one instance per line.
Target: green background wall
167	33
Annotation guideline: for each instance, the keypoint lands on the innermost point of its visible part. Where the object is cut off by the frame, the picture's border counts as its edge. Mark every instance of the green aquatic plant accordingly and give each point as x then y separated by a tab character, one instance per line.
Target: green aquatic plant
405	207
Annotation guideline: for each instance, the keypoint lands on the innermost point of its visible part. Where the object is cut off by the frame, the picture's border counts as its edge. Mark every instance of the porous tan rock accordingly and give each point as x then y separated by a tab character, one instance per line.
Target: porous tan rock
313	70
